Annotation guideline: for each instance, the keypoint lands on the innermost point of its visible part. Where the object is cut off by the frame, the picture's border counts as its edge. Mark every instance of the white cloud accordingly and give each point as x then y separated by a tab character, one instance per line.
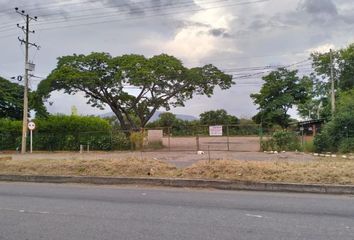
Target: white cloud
322	48
194	42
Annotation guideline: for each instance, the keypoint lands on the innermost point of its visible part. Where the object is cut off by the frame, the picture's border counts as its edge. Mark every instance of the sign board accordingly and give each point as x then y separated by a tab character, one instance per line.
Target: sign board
30	66
302	128
215	131
31	126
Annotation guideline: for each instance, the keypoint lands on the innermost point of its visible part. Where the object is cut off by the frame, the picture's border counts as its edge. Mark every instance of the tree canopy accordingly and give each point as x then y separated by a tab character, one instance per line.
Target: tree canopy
11	100
343	62
281	91
218	117
133	85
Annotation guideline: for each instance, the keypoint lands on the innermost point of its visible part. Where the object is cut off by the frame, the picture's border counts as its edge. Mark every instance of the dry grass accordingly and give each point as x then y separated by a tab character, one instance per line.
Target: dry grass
129	167
325	171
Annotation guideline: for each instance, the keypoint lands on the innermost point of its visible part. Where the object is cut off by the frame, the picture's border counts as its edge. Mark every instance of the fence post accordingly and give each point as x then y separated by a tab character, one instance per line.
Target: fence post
209	153
169	139
111	132
260	137
197	140
228	140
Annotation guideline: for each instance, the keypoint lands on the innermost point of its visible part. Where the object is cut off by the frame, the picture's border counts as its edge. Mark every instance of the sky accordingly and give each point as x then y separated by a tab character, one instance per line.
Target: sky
246	38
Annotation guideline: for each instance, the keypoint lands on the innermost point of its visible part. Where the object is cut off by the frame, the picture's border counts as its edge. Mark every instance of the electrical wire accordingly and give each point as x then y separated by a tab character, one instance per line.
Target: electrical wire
139	18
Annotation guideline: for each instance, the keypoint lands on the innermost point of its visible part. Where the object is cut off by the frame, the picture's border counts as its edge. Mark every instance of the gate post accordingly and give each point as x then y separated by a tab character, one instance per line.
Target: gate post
228	140
197	140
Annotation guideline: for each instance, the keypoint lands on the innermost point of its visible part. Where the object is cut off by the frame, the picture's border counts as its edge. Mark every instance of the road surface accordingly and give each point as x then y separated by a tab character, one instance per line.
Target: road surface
49	211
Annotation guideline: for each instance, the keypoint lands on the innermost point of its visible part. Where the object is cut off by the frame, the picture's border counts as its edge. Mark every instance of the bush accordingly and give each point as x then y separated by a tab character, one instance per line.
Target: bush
335	134
281	141
309	147
64	133
120	141
10	134
346	145
137	140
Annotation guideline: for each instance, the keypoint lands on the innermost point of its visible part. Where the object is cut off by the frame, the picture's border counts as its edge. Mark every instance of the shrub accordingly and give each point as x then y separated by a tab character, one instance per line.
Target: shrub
346	145
137	140
281	141
335	134
309	147
120	141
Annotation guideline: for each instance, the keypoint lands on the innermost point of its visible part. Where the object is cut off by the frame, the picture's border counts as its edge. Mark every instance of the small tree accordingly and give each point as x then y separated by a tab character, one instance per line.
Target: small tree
281	91
167	119
218	117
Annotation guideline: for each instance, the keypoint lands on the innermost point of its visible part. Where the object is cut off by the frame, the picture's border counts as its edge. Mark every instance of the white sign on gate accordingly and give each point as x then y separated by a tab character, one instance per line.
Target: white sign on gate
215	131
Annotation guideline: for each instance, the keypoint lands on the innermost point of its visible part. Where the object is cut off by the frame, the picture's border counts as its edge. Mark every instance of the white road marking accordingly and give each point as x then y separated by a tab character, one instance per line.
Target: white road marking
23	211
255	216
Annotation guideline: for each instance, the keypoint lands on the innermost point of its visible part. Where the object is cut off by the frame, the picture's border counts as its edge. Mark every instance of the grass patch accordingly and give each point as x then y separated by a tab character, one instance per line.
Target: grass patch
131	167
321	171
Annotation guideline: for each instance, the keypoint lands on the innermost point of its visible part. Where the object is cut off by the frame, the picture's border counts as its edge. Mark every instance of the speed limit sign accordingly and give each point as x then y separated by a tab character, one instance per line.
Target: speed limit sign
31	126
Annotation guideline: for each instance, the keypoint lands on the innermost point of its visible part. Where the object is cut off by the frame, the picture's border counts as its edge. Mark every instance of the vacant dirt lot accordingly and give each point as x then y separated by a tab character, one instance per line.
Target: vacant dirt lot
239	144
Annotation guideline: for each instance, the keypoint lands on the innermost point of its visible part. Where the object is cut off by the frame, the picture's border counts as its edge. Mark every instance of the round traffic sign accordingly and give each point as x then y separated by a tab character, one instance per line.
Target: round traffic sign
31	126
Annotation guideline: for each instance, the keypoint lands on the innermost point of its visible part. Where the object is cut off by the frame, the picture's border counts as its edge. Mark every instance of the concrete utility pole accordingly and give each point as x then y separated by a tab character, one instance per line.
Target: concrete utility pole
27	31
333	94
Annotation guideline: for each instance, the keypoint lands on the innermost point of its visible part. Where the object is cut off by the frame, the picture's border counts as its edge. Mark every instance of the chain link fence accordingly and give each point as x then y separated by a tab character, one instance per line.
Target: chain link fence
243	138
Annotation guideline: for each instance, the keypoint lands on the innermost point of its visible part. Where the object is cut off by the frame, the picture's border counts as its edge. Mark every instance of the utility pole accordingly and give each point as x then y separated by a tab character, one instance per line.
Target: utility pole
28	67
333	94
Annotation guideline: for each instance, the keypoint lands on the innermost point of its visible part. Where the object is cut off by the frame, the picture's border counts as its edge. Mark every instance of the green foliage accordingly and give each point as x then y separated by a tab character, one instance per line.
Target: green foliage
346	145
167	119
336	134
137	140
10	134
309	147
64	133
281	91
281	141
218	117
162	81
343	61
120	141
11	100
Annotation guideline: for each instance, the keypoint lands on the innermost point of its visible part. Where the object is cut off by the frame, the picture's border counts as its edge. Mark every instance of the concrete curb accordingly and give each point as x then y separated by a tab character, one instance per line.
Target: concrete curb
186	183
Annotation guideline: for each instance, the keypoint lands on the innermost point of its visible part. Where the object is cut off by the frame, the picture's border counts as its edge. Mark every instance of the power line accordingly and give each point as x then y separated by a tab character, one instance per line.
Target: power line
116	13
138	18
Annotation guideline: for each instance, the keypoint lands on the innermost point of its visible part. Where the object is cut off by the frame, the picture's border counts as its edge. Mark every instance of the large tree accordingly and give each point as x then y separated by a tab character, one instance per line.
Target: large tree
132	85
343	63
281	91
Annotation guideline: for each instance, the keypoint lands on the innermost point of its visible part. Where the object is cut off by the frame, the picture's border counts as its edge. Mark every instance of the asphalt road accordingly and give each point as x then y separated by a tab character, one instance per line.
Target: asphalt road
49	211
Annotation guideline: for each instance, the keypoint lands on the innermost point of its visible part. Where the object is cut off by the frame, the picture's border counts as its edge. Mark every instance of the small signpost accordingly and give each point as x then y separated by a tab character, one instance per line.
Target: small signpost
215	131
31	127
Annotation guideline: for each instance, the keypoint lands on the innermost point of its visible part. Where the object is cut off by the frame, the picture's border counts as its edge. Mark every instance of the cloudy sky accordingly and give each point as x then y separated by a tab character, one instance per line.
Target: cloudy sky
243	37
